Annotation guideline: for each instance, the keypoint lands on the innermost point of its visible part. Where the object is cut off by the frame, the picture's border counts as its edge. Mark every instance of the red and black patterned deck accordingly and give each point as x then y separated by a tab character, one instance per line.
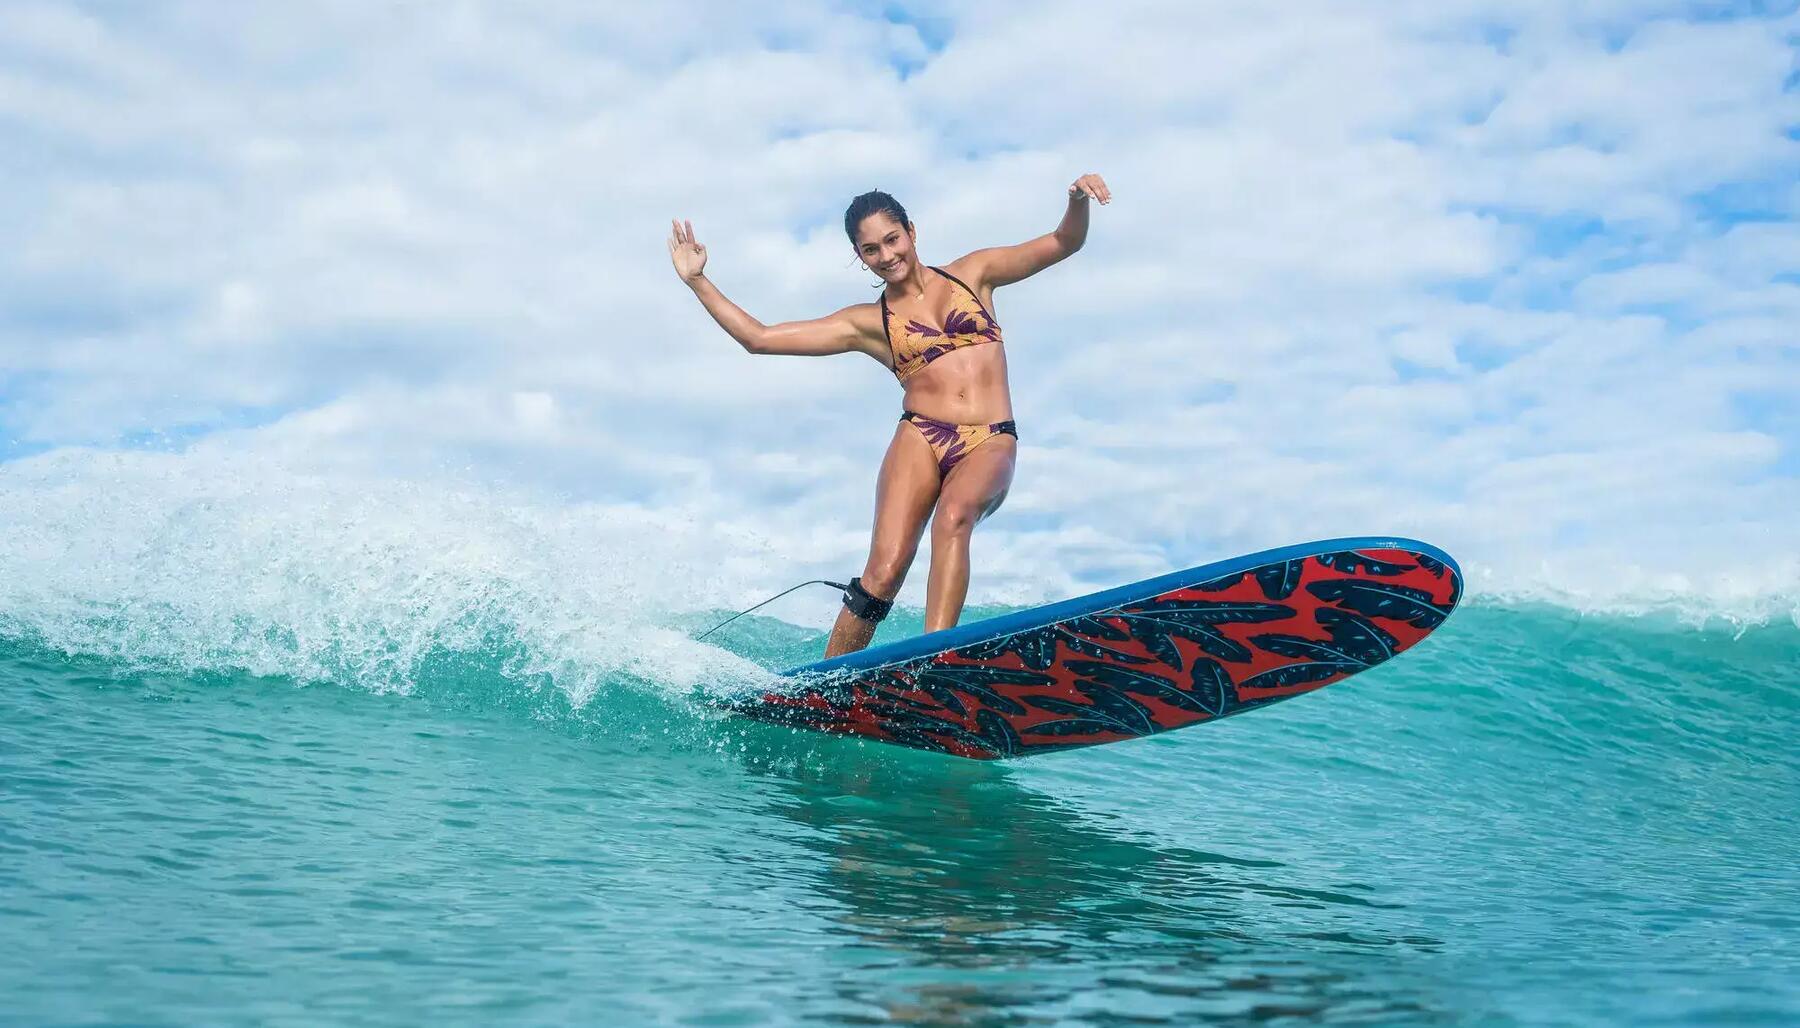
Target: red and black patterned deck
1178	658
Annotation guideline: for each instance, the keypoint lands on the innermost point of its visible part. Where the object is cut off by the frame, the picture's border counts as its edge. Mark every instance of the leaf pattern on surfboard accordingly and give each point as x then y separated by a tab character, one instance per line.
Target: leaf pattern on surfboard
923	731
1354	644
986	684
1222	583
1279	580
1159	623
1037	649
1211	685
1106	711
1216	647
1354	641
998	734
1438	570
1091	636
1382	599
1144	683
1351	562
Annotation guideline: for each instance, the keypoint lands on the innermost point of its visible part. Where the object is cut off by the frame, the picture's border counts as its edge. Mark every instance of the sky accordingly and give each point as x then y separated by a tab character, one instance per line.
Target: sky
1521	279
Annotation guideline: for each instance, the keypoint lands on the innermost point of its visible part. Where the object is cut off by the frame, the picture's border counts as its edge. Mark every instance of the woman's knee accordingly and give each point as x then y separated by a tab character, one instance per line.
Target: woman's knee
886	571
954	518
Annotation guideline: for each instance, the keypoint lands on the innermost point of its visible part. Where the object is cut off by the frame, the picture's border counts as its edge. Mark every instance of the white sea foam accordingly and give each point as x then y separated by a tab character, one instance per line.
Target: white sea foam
211	563
215	561
1739	591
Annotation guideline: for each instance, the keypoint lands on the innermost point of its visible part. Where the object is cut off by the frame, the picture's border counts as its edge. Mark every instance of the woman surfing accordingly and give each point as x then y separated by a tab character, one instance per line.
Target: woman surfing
951	459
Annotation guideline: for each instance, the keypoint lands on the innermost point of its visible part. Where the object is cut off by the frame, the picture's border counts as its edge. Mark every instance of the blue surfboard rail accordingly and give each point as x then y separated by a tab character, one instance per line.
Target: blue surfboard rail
932	643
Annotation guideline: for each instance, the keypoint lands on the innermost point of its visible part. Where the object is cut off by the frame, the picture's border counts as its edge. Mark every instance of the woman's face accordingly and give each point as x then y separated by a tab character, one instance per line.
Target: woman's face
885	246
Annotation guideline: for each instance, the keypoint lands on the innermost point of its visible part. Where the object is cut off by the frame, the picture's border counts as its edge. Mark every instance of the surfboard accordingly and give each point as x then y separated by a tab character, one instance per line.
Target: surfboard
1187	648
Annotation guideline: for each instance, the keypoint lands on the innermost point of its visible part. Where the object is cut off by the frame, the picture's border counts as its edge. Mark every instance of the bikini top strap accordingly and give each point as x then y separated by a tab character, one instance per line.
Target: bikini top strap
886	314
972	293
951	277
888	335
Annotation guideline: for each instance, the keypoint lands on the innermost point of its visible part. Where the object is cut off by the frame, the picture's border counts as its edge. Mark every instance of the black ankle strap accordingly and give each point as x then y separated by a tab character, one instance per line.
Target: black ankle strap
864	604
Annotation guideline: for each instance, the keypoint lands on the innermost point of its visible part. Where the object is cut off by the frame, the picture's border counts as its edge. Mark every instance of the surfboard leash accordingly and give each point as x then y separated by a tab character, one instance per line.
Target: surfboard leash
772	599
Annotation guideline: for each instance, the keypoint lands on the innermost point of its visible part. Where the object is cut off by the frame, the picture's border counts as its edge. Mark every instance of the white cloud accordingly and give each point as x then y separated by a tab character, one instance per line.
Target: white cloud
1460	269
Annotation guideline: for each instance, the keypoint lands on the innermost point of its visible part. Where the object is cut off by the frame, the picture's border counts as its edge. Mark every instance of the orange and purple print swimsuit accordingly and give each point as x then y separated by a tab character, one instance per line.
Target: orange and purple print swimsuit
967	323
950	443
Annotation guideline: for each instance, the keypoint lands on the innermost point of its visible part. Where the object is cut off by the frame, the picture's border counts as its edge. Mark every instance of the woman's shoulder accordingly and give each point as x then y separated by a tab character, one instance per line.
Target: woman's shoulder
863	315
867	321
967	269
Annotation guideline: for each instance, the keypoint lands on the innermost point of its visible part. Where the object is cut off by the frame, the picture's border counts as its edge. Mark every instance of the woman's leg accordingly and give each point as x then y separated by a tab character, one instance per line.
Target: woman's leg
973	490
904	493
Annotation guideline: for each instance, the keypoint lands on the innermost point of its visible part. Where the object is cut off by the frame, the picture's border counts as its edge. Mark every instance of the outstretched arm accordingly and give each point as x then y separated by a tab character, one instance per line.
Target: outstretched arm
852	328
736	321
1004	265
689	258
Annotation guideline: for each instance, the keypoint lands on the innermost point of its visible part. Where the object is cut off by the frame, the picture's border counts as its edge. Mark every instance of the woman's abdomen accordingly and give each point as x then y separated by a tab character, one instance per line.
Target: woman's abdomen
966	386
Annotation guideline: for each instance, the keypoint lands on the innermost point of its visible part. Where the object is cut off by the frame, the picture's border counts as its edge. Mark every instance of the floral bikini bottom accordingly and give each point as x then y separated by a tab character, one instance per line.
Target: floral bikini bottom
951	443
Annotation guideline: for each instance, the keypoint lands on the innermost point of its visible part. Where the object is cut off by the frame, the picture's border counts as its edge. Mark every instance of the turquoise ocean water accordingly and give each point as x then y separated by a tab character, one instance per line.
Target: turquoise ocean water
1536	817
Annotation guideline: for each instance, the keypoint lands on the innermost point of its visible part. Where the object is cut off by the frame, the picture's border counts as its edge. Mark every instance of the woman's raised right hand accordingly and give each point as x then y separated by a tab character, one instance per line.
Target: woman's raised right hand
688	255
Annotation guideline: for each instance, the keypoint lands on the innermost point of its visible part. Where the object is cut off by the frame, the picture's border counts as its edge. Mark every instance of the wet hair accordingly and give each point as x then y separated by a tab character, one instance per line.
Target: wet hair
873	202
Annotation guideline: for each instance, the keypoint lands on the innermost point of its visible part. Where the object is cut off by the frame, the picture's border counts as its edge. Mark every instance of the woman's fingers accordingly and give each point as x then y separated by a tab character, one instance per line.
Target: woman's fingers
1091	186
682	247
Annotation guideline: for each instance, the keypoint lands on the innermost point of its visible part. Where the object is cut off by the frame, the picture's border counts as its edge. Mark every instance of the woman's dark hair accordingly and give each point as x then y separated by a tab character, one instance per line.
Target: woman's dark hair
873	202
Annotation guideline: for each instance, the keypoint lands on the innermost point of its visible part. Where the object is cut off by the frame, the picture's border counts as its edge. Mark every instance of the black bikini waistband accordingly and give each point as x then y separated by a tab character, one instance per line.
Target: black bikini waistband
1008	426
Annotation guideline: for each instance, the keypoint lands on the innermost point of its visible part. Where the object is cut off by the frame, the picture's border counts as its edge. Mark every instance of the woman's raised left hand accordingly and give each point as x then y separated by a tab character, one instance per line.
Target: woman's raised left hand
1090	186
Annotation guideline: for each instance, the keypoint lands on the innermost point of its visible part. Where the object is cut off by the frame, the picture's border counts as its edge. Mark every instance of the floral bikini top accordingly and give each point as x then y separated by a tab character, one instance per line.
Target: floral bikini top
965	324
